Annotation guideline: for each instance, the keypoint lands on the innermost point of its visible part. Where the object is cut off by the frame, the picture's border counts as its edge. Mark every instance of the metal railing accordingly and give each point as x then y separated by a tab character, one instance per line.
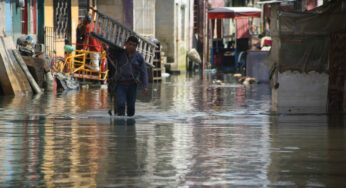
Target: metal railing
50	42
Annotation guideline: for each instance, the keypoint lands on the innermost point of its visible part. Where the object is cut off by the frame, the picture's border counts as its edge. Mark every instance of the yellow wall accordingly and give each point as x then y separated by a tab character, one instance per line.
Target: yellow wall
48	13
74	17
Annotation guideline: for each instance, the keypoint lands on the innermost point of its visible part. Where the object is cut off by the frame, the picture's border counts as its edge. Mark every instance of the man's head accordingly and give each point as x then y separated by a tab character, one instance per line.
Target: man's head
131	44
87	18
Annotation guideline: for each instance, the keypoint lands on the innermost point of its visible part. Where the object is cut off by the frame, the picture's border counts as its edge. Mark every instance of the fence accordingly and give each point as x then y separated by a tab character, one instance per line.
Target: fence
50	42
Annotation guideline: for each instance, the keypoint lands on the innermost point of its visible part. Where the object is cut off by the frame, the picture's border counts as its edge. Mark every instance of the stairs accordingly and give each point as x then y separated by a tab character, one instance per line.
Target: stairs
113	33
156	71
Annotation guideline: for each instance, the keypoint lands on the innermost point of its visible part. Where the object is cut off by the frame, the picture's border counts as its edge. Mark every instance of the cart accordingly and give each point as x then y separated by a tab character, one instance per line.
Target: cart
77	64
227	57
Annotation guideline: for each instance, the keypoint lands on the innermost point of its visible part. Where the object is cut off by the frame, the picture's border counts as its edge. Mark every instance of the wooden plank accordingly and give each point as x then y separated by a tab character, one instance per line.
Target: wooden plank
13	80
23	85
26	71
4	79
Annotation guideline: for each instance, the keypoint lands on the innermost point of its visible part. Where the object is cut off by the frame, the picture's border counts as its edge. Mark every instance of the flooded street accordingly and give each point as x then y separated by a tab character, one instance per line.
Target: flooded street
187	132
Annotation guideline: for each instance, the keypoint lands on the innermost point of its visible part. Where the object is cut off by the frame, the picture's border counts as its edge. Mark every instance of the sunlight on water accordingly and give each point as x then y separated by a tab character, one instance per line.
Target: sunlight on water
186	132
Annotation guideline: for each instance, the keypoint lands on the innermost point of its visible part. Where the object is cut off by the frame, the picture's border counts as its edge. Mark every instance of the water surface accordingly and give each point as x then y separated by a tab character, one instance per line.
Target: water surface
188	132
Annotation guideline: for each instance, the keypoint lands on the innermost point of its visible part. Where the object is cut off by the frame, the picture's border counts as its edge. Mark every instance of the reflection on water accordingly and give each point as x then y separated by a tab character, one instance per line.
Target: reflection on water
187	132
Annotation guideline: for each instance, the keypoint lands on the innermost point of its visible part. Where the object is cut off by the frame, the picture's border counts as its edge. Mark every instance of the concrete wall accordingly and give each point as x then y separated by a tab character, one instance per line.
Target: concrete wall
217	3
183	37
144	17
74	17
48	13
6	14
173	30
301	93
165	27
112	8
255	67
296	92
2	17
344	88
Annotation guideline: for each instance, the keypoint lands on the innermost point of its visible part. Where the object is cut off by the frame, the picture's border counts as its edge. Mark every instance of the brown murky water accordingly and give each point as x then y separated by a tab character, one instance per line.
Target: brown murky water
188	132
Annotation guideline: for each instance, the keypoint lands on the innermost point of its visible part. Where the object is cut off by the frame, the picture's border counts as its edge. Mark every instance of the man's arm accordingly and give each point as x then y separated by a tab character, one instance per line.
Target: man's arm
114	53
144	74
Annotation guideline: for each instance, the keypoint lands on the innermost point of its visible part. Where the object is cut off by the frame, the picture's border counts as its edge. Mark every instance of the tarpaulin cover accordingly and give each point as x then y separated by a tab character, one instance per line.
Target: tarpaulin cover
243	28
233	12
303	40
304	53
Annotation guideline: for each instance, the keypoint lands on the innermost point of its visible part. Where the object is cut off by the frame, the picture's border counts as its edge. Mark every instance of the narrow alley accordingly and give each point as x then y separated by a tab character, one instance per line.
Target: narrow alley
173	93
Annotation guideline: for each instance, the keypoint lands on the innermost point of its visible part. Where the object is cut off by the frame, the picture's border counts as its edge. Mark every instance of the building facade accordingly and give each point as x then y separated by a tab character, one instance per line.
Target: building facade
308	64
22	17
168	21
173	26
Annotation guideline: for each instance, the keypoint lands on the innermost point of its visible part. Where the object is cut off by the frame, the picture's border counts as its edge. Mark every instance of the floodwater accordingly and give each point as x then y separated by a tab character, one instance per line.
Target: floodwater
188	132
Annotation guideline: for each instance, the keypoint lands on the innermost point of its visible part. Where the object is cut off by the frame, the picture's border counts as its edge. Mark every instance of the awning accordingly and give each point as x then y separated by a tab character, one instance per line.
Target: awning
276	1
233	12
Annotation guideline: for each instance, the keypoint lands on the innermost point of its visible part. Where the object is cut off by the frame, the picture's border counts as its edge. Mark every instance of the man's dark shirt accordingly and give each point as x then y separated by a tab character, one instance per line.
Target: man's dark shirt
128	68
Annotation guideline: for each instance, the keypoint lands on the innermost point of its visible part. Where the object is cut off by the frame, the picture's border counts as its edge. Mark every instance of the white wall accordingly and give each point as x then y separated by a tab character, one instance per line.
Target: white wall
165	27
319	2
173	30
301	93
2	17
183	28
144	17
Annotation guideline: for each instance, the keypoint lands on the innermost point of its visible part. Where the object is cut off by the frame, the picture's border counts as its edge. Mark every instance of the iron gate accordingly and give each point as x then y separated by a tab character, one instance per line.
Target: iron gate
62	19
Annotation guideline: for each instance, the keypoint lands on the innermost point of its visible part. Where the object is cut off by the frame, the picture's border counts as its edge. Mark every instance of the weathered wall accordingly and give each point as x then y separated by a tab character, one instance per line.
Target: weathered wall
112	8
168	21
74	17
217	3
3	12
16	20
301	93
165	27
183	38
344	88
144	17
173	31
304	92
48	13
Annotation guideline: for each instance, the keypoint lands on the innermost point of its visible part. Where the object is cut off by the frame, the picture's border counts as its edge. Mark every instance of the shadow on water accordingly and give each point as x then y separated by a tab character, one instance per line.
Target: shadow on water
308	150
188	131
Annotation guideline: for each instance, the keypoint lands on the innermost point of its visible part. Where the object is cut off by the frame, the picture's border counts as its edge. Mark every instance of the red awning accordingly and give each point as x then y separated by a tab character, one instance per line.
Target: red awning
233	12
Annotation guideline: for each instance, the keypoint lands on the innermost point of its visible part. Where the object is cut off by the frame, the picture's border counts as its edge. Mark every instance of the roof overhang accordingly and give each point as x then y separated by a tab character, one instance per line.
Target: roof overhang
275	1
234	12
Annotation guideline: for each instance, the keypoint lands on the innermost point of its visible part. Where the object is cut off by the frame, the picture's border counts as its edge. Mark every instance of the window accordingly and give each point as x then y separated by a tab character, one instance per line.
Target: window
62	18
83	6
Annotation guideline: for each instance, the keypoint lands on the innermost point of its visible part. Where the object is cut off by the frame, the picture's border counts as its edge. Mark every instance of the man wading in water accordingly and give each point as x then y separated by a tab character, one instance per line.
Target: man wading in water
127	69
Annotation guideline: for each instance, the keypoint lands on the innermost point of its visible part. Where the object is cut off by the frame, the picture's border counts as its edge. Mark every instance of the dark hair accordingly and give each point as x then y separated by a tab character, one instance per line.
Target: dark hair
132	39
